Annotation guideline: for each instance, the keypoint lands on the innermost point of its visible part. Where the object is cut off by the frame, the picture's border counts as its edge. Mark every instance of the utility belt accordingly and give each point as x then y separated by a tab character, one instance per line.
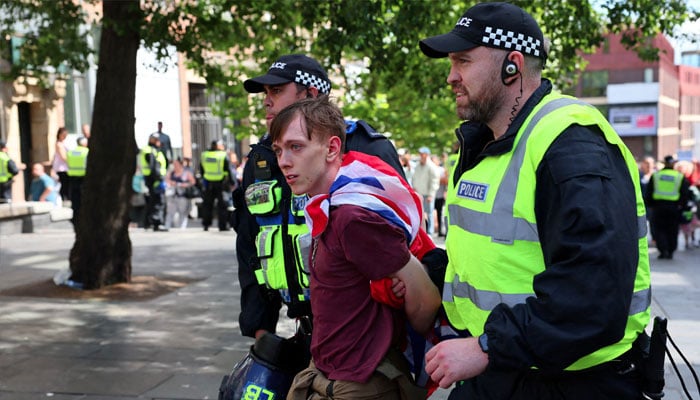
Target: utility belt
644	362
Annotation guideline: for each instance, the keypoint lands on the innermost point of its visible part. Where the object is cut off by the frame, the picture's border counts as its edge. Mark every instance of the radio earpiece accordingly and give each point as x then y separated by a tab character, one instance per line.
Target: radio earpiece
508	70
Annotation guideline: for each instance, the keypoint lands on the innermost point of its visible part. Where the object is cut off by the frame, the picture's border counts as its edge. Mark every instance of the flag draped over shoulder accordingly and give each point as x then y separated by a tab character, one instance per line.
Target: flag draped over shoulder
368	182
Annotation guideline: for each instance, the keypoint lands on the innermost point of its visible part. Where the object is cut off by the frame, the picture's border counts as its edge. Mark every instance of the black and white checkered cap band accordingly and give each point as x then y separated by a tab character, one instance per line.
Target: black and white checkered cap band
510	40
310	80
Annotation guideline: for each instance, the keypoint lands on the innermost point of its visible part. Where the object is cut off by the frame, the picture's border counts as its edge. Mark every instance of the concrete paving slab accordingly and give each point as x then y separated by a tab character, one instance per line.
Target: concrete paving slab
179	346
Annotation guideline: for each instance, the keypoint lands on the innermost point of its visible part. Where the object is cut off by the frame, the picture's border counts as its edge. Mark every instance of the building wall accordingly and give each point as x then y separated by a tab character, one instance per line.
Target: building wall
623	68
689	118
30	118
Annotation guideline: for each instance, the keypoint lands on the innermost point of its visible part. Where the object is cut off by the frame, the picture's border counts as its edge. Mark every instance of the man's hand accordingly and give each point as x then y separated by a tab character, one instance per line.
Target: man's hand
398	287
455	360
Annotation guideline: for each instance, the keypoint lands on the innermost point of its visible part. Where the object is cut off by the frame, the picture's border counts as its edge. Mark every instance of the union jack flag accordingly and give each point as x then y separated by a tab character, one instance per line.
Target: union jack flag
370	183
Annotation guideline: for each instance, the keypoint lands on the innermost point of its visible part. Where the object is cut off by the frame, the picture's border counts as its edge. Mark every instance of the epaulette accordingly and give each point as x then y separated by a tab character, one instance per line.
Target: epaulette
362	126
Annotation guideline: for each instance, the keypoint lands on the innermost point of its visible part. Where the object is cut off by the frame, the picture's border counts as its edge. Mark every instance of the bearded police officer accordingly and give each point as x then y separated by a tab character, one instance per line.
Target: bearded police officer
548	262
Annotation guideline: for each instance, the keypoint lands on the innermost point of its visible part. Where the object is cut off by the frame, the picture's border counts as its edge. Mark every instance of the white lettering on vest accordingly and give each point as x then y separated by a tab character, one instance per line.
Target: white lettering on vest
472	190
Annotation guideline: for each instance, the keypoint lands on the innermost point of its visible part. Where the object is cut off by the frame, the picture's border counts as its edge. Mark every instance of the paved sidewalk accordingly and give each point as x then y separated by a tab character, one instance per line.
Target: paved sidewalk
180	345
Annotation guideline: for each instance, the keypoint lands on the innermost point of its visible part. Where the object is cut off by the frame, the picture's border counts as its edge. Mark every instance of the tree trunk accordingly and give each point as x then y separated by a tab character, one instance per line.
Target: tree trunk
101	254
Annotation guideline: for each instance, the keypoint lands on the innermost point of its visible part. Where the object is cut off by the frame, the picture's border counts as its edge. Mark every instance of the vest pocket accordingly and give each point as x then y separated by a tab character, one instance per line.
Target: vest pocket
263	198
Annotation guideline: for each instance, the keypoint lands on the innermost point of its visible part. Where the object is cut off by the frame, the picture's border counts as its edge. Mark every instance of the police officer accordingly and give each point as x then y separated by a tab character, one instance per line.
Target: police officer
76	160
153	168
667	193
218	180
8	169
548	270
267	213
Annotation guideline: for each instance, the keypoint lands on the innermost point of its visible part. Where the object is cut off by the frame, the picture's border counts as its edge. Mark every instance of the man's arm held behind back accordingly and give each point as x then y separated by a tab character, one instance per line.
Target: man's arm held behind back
422	298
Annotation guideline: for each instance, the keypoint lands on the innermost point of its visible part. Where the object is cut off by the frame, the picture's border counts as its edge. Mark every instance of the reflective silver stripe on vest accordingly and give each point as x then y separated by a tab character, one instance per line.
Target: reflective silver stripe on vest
642	226
483	299
504	228
500	225
487	300
262	241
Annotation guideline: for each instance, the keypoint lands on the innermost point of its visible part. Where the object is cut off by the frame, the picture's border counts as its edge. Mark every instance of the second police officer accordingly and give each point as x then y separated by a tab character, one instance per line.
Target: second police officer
271	242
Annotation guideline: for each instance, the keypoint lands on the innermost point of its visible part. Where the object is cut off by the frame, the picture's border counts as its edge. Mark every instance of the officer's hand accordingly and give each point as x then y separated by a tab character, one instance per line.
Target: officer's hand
455	360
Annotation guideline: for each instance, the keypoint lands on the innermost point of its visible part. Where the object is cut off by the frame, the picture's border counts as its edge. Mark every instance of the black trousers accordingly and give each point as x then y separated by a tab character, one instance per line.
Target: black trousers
76	186
65	185
665	221
155	203
611	381
5	192
215	193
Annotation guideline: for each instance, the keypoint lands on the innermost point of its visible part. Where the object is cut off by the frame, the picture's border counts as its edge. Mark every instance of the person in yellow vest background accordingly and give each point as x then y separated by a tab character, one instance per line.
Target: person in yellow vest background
548	276
154	168
8	170
667	192
77	165
219	180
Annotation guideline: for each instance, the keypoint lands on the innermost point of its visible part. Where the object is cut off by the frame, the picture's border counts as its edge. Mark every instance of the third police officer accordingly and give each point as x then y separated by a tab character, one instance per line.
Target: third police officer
154	168
76	160
218	180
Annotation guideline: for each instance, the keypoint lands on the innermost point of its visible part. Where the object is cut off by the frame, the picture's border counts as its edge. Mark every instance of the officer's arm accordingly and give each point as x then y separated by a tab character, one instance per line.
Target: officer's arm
422	298
12	168
259	310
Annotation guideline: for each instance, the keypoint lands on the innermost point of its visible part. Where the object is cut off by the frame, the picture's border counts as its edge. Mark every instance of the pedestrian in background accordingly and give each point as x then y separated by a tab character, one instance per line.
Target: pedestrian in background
59	164
440	194
179	180
85	129
426	181
165	146
667	195
42	187
548	272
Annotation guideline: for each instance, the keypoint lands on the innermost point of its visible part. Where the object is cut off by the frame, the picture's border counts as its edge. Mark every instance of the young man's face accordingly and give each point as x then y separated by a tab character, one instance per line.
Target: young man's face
278	97
303	161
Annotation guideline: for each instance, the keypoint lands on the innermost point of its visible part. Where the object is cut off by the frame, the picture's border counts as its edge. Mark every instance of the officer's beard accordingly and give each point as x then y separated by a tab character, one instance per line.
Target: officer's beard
483	106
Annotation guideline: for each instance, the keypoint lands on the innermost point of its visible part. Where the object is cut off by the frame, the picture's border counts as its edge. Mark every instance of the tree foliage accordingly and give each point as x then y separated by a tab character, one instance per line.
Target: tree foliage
369	46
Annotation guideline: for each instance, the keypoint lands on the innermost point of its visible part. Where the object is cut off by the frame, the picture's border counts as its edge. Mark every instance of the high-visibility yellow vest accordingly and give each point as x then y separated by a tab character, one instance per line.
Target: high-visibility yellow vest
160	160
493	224
4	169
76	160
264	202
213	165
667	185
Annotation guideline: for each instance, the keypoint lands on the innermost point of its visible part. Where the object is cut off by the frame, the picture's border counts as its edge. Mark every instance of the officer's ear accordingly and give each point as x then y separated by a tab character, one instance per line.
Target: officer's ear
311	92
